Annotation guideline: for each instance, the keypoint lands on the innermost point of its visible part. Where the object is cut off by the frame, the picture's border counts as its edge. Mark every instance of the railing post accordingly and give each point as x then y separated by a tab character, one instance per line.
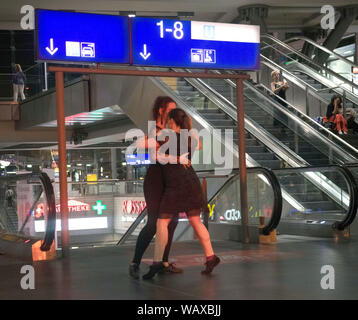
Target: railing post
206	209
307	102
45	75
242	160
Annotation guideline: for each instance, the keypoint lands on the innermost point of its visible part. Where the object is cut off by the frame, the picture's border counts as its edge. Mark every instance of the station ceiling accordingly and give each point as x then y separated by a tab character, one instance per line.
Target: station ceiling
283	14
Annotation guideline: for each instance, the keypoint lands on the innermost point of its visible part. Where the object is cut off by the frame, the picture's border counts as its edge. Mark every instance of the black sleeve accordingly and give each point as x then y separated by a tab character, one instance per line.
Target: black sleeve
329	112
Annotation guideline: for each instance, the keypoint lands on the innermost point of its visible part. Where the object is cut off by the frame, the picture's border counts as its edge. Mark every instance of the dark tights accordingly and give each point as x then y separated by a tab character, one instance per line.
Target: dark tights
153	191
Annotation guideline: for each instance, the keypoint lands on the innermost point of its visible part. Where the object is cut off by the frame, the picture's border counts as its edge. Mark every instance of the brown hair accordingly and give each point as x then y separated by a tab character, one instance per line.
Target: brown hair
180	118
159	103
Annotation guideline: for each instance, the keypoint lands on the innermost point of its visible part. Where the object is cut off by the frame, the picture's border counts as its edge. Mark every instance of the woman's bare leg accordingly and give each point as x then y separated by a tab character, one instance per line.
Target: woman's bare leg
203	234
161	238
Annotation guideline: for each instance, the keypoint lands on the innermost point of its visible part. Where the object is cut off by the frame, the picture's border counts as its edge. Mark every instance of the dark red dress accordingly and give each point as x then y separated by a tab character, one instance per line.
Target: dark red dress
183	191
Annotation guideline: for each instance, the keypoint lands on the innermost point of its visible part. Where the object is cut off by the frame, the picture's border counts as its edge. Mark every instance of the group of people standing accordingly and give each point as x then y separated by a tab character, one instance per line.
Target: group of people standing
170	189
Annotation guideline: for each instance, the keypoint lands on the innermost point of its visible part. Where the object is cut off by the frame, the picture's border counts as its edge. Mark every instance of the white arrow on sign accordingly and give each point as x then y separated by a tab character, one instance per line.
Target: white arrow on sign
51	50
144	54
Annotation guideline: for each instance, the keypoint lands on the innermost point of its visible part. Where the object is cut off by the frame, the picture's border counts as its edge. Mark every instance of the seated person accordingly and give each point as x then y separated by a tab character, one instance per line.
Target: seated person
351	122
334	115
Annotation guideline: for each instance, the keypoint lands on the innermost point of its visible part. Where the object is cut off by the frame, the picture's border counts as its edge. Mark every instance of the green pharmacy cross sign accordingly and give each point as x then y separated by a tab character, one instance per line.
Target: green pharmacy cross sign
99	207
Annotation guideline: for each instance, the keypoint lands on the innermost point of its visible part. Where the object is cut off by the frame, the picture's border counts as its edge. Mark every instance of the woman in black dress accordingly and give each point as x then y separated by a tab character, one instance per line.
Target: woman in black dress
279	89
183	192
153	190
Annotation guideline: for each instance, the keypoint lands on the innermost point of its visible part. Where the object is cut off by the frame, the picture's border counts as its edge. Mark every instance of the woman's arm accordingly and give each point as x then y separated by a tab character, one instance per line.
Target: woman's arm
199	144
275	90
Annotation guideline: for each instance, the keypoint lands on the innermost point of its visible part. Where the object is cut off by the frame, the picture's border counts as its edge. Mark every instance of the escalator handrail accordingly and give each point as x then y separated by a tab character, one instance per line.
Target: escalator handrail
276	188
305	85
276	211
315	44
50	198
353	192
294	117
301	55
311	121
255	129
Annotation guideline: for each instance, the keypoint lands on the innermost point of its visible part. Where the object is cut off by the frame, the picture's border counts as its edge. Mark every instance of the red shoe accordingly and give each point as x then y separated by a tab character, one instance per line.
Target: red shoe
210	265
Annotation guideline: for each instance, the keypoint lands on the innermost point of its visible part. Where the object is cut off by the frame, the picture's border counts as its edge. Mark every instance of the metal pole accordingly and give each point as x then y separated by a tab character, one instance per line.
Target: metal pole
206	209
45	75
62	162
242	160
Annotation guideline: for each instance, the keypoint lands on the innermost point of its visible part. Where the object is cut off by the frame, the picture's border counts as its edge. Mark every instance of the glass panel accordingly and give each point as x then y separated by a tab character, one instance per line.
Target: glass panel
226	204
314	195
23	207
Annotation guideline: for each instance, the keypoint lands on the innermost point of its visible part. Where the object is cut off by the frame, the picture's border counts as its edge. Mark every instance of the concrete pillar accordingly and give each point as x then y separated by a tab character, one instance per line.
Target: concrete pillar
348	15
253	14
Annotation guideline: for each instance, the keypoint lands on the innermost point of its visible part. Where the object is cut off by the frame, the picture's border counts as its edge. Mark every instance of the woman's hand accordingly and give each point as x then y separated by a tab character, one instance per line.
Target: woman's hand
183	159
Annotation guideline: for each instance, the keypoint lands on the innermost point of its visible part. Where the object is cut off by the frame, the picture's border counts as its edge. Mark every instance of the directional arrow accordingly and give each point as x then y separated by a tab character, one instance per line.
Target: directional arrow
144	54
51	50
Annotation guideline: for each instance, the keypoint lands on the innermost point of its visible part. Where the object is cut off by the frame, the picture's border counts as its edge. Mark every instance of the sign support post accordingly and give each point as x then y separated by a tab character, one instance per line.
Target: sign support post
62	162
242	161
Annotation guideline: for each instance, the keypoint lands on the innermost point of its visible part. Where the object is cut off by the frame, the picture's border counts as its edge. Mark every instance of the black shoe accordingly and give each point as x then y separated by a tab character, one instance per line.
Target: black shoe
210	265
153	270
171	269
134	270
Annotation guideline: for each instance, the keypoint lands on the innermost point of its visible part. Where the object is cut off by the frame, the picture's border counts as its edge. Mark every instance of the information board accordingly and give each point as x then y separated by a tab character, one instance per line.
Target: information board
195	44
82	37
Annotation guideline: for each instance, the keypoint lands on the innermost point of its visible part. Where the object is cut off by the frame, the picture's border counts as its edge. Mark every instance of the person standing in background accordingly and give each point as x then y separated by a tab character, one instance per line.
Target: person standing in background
18	81
279	89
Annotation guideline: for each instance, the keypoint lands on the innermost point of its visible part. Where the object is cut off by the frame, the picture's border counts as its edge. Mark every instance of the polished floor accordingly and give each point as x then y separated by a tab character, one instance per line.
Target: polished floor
290	269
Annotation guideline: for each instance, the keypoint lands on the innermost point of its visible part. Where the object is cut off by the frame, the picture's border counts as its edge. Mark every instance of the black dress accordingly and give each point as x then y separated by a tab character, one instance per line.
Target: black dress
183	192
282	94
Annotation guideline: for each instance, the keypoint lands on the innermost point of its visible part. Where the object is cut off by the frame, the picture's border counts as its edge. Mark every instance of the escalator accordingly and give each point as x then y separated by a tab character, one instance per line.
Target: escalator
288	143
314	81
19	217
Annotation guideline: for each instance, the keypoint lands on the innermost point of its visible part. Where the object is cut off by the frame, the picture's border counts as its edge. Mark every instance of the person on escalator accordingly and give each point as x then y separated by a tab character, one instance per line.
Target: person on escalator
334	115
279	88
351	120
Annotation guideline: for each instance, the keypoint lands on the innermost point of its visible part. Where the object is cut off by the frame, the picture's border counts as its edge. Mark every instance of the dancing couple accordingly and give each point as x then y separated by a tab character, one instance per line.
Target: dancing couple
170	189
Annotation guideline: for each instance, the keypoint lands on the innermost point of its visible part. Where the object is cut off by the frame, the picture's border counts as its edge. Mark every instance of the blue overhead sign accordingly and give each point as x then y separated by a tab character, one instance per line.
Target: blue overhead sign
195	44
82	37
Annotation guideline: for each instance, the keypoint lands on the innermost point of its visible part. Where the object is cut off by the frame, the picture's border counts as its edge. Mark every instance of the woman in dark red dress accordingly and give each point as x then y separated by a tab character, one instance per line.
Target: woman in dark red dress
182	193
153	190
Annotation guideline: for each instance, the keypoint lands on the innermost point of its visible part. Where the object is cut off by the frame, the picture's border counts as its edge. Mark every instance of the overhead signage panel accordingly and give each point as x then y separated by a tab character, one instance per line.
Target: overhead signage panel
194	44
82	37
